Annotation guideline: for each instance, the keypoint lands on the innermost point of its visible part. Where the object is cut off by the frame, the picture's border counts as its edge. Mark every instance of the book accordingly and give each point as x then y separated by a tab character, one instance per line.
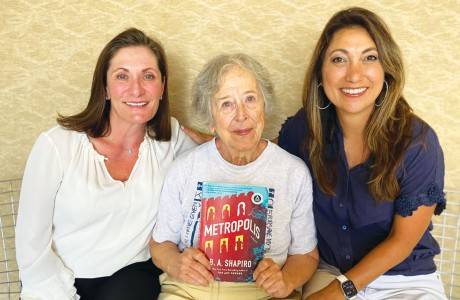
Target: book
233	228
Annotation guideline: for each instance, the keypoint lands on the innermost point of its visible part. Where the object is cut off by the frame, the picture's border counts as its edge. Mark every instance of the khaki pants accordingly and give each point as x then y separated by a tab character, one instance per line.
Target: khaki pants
172	289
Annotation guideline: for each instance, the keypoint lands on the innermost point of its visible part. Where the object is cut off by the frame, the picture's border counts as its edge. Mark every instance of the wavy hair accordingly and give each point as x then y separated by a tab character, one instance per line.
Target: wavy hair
389	129
209	80
94	119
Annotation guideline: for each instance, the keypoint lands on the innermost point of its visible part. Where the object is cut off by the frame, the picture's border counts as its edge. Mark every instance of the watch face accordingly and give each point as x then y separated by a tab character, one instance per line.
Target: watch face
349	289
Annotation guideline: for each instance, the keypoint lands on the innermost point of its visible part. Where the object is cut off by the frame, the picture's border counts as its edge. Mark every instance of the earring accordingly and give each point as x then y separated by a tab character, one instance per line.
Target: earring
320	84
385	97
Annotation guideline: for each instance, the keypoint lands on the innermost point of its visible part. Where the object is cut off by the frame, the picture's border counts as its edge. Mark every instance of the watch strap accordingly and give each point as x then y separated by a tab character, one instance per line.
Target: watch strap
344	280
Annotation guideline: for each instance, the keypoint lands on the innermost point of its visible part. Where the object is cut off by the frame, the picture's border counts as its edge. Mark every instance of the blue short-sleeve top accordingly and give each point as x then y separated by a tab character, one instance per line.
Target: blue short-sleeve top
351	223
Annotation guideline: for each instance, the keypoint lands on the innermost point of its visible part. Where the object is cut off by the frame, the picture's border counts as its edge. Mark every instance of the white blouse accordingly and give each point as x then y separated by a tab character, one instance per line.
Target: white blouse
76	221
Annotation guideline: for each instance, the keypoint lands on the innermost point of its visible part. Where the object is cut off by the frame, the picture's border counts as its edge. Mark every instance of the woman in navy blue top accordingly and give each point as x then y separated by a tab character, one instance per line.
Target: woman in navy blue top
378	169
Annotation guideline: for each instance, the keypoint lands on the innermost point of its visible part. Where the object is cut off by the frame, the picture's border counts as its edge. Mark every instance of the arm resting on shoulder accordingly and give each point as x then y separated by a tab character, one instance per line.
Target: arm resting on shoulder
197	136
201	138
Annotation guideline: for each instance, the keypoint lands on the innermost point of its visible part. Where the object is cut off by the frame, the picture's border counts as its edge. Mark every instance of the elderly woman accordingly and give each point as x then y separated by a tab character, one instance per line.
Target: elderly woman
232	95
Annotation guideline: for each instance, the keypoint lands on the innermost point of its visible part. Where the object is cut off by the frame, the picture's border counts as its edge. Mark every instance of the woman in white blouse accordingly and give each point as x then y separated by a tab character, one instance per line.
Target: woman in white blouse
91	186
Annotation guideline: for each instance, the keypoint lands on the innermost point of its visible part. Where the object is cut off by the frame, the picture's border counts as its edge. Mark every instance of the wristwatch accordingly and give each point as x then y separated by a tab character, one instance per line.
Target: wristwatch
348	287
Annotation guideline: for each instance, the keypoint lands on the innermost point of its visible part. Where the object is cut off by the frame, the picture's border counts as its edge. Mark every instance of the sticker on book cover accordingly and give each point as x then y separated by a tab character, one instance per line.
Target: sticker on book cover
257	198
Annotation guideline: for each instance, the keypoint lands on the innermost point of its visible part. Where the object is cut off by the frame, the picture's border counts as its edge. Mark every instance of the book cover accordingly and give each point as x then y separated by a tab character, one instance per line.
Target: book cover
232	228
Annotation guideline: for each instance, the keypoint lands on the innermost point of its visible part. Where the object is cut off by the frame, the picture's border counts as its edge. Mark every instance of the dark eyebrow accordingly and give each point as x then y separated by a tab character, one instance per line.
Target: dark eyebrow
118	69
151	69
370	49
346	52
143	71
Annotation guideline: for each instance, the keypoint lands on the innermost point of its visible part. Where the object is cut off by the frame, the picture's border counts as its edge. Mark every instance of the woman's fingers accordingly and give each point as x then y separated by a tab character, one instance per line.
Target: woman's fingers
194	267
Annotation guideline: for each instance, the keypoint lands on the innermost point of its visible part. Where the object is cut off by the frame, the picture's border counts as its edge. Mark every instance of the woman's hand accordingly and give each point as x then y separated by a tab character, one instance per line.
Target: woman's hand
403	237
191	266
269	276
296	271
197	136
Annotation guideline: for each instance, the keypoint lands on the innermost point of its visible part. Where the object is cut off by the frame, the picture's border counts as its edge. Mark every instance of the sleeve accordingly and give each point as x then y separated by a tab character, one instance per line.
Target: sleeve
182	142
303	230
170	218
421	176
293	132
42	273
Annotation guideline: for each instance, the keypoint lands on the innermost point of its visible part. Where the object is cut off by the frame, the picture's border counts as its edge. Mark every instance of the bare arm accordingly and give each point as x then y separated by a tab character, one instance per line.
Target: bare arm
190	266
297	270
201	138
197	136
403	237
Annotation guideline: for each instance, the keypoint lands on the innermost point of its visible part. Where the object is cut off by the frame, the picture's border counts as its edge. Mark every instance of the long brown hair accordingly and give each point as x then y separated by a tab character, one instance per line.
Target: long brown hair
94	119
389	129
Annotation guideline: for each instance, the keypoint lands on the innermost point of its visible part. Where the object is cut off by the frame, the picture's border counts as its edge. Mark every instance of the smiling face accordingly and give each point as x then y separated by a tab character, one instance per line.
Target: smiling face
351	72
238	112
134	86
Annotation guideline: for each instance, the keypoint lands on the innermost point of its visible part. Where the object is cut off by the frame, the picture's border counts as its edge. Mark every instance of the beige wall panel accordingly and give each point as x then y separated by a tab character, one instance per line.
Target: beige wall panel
49	50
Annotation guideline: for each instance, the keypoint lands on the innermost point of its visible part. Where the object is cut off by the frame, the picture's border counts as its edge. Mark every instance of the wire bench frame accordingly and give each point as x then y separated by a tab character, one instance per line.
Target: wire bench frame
10	285
446	231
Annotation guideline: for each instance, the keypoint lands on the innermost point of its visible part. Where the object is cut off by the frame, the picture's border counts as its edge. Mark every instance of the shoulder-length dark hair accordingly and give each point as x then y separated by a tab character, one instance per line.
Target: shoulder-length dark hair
389	129
94	119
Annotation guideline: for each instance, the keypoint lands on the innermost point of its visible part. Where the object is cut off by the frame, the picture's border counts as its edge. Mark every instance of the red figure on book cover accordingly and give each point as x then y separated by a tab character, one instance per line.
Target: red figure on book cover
232	229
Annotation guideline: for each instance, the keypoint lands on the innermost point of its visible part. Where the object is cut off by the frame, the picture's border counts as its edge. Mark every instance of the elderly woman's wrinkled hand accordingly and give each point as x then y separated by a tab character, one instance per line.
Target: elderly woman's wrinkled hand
269	276
191	267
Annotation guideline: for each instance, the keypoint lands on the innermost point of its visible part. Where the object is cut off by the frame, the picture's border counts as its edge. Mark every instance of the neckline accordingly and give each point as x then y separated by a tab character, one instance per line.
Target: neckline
244	168
102	157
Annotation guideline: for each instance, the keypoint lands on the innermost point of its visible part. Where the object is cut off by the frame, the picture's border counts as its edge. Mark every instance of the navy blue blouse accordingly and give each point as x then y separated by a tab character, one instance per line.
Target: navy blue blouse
352	223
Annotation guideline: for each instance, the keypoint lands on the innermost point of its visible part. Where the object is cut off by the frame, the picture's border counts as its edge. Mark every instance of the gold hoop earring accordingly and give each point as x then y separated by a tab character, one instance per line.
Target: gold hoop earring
320	84
385	97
